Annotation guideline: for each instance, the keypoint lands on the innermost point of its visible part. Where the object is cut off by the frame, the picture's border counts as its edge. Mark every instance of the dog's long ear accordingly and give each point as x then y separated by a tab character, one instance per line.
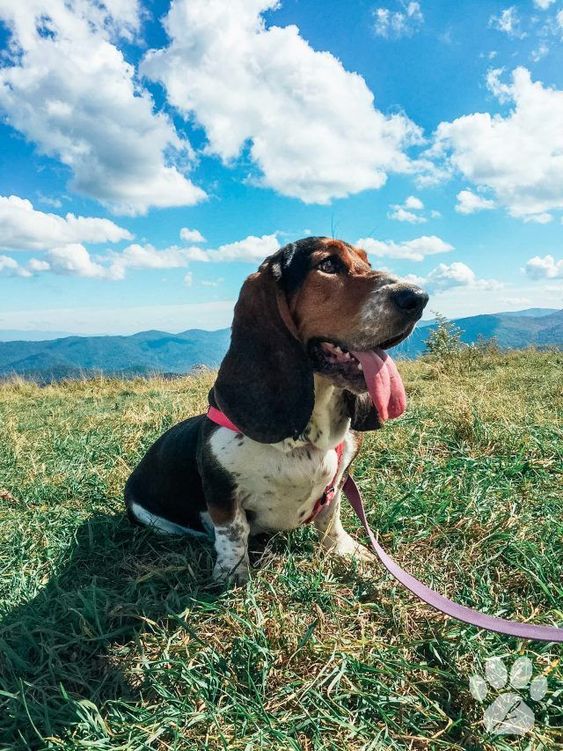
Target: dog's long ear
265	382
362	412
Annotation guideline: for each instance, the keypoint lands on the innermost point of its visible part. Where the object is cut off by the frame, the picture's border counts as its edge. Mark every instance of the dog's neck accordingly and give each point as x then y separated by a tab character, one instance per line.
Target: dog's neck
329	420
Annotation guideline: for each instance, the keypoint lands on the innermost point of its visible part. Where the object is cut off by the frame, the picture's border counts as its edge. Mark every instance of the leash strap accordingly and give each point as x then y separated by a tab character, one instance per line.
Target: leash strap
435	599
438	601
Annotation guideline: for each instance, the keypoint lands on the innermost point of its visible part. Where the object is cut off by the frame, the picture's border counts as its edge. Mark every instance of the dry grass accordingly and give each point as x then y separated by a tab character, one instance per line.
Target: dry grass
113	638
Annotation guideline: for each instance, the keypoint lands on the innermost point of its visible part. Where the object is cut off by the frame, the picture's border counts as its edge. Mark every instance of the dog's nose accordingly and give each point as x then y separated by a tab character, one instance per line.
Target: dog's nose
410	299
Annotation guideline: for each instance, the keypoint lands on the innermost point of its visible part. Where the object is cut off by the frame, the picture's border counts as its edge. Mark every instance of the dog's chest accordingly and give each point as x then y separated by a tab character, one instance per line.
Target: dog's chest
279	489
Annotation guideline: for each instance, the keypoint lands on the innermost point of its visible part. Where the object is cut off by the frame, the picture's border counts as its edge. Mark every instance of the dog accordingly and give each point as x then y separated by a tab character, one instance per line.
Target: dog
305	374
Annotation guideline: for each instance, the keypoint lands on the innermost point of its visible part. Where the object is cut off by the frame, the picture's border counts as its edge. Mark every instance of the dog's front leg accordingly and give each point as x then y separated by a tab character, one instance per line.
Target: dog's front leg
334	538
231	546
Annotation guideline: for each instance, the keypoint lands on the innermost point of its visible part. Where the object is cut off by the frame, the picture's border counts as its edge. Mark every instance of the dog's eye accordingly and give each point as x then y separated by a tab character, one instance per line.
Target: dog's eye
330	265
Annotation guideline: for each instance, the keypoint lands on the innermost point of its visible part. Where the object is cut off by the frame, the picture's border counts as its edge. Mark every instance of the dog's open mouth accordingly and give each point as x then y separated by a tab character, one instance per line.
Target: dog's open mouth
372	370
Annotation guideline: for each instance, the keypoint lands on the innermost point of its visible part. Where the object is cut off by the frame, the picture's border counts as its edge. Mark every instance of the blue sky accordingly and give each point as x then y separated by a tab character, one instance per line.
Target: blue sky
151	155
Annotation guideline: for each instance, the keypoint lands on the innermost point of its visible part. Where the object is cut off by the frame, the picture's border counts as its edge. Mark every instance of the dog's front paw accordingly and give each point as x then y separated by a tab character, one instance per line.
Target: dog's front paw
237	576
346	547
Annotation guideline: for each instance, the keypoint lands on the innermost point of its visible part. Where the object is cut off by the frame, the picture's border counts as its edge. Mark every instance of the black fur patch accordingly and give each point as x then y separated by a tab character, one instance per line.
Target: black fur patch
292	263
265	382
167	481
363	414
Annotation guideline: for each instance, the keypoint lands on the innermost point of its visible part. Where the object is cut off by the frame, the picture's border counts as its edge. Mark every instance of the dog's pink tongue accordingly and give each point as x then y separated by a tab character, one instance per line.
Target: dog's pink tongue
384	383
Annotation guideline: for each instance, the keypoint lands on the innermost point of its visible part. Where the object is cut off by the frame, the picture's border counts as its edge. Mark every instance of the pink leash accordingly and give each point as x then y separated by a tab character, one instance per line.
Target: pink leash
438	601
424	593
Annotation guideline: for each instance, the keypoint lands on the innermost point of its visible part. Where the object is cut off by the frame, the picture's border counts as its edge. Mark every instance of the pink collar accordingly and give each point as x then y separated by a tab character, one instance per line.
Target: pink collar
215	415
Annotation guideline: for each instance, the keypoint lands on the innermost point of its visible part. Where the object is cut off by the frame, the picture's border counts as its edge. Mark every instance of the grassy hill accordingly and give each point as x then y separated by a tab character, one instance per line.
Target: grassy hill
112	637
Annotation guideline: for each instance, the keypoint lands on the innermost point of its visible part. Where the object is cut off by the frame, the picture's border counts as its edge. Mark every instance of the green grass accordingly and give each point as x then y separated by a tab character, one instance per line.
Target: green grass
113	638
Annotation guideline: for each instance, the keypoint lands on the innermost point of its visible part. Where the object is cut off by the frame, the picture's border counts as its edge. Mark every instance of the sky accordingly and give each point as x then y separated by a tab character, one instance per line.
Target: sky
153	153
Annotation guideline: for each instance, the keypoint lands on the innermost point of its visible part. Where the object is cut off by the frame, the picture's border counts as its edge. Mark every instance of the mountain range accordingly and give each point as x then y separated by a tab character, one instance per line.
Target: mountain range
538	327
150	352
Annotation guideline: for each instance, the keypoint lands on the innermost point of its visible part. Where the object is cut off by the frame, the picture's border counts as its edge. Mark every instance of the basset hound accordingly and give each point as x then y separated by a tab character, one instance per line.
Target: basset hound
305	373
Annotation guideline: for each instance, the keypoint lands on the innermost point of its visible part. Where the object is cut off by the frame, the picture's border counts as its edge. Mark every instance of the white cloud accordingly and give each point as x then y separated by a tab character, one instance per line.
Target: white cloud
396	24
520	156
544	268
74	260
191	235
303	118
469	202
543	4
508	21
55	203
412	250
544	218
413	202
251	250
420	281
36	266
197	254
457	274
446	277
69	90
10	267
189	279
24	228
540	52
549	31
147	257
405	212
399	214
212	282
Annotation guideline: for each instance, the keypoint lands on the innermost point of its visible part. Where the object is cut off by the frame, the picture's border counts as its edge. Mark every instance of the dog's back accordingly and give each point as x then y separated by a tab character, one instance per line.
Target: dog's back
165	489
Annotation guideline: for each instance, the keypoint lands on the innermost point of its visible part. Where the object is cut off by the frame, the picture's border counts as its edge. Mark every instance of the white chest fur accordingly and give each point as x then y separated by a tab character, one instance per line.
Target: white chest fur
279	484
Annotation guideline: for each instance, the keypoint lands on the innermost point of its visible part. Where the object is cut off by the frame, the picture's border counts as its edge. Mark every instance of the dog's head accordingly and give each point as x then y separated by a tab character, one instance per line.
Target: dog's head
306	310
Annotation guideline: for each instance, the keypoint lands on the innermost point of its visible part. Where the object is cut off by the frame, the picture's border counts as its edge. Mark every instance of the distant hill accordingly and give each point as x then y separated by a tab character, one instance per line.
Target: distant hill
528	313
510	331
140	354
531	312
160	352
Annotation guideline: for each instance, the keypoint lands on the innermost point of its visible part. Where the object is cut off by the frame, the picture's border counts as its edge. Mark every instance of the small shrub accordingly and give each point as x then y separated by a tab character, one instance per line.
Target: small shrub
445	348
444	341
487	346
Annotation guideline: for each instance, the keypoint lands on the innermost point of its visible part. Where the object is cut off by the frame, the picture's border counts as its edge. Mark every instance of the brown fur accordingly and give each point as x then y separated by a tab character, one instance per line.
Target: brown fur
329	304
